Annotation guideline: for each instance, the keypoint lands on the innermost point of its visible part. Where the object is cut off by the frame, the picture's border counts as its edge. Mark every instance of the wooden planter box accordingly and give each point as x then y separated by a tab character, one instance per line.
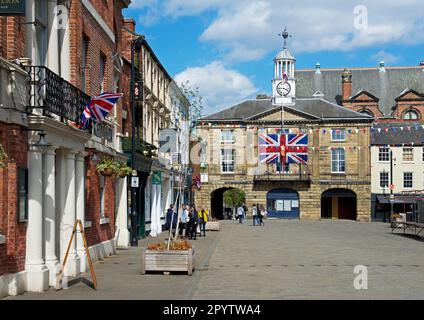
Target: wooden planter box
168	261
212	225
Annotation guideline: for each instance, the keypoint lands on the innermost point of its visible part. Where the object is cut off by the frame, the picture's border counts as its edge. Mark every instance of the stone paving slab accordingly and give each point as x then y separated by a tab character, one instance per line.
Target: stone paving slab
281	260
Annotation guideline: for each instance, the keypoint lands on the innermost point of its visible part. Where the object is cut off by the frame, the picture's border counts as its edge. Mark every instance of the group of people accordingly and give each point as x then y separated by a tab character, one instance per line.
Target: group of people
258	213
188	222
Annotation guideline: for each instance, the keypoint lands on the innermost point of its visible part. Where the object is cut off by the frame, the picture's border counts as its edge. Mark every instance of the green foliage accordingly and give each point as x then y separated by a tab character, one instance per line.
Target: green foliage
123	169
3	157
234	197
107	163
147	149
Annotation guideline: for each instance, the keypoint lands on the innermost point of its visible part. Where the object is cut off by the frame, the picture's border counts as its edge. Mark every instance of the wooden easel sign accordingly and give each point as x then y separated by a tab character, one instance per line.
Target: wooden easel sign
90	263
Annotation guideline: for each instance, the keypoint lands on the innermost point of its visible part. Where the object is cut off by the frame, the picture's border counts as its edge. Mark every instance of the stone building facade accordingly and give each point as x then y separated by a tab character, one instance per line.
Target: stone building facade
333	183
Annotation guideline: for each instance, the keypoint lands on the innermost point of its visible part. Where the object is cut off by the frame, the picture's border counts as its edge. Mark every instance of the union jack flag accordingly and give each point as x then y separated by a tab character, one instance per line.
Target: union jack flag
86	118
101	105
283	148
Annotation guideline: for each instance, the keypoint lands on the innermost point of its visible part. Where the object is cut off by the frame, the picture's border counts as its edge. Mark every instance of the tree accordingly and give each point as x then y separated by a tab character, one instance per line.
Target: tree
234	198
196	103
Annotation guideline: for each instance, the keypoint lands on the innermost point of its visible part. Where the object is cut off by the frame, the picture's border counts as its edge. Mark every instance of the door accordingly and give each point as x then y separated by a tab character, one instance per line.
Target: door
283	204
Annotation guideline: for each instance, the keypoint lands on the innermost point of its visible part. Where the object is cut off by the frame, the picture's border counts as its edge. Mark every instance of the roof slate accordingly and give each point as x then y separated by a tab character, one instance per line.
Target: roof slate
387	86
395	136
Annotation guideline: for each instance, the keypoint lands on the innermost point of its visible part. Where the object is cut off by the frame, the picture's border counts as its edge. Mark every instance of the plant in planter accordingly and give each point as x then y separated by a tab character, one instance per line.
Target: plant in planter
181	256
3	157
108	167
123	170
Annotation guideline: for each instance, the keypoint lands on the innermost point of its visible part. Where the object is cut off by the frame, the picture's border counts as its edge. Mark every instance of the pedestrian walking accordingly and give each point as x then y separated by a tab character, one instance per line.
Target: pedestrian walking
245	211
255	214
203	218
262	215
240	214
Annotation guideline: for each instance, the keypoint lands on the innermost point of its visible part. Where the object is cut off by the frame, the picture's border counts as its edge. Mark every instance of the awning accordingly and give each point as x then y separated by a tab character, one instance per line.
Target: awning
398	199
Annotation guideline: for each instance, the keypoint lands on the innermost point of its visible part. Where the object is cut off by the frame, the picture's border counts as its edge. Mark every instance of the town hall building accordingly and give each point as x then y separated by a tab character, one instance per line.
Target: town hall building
302	158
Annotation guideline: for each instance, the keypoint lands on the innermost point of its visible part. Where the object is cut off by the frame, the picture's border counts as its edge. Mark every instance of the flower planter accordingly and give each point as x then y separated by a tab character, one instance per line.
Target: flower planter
122	175
213	225
168	261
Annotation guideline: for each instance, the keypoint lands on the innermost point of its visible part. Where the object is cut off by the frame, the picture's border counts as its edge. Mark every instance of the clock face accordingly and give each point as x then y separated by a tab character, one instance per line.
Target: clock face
283	88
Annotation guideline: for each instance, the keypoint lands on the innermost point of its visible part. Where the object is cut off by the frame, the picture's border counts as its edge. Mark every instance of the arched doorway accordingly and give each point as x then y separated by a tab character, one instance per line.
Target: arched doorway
283	204
218	208
339	204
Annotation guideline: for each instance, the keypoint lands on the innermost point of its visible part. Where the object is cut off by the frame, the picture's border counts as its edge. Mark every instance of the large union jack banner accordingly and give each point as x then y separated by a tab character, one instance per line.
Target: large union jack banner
283	148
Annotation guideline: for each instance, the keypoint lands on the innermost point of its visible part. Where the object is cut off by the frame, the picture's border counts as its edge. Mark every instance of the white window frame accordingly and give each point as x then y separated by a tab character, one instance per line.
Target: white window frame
223	137
339	161
388	179
103	67
227	163
403	154
412	180
383	153
408	113
338	137
41	33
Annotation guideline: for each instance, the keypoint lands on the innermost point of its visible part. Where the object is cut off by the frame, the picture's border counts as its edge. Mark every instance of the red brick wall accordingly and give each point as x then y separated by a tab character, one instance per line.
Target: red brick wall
12	254
98	233
12	37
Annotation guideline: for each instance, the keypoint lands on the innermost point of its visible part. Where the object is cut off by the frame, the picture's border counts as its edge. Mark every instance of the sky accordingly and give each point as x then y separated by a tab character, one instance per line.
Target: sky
226	47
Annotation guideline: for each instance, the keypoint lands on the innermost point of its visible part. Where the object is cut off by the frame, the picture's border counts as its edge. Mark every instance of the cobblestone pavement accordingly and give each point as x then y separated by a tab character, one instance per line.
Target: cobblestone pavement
282	260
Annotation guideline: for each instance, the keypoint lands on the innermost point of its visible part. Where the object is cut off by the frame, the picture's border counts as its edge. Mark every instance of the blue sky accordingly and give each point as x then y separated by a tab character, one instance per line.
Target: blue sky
226	47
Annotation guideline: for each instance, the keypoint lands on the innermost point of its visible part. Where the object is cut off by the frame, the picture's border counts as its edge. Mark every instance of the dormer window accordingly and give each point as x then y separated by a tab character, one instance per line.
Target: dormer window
411	115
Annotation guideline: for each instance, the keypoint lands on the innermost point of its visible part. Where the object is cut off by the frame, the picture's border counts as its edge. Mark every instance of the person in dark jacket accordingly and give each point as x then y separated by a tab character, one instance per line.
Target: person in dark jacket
194	221
171	218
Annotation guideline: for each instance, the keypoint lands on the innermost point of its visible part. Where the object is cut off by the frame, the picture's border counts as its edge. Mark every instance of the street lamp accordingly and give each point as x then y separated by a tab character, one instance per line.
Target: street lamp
135	44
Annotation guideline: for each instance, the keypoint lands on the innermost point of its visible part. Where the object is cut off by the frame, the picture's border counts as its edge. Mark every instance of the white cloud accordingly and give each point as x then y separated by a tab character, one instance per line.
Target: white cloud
218	85
252	26
385	56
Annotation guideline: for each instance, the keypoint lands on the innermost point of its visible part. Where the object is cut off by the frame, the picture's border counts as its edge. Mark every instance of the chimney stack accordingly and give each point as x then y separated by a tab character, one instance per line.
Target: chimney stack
346	84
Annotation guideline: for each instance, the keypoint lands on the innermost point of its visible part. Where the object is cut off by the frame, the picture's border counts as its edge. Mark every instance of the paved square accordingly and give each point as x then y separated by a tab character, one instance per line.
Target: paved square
282	260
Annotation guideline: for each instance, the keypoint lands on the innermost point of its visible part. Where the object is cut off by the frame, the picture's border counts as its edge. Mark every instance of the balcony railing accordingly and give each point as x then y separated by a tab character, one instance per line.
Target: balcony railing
143	147
303	175
104	131
54	96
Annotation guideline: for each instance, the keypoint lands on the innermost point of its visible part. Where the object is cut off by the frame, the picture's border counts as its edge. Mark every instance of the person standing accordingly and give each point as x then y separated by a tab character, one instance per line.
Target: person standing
194	221
254	214
240	214
203	218
171	219
183	222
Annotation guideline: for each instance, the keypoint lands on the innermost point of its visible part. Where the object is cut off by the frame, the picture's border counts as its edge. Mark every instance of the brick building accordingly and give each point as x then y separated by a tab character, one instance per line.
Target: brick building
45	188
334	180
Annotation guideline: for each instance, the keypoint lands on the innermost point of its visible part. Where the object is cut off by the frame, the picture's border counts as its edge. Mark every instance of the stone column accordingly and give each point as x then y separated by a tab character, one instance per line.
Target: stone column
80	206
159	208
65	56
49	207
38	273
53	42
153	213
69	218
30	30
122	218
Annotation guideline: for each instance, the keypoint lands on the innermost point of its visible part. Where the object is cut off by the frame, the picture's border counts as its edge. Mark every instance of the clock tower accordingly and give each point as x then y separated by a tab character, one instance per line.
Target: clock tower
284	83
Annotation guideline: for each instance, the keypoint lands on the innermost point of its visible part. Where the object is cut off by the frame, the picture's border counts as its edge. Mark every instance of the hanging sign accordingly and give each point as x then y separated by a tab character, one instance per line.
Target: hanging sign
157	177
12	7
135	182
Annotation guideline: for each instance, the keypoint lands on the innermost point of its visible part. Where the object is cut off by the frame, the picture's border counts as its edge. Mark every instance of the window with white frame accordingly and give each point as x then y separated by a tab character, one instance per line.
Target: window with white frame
227	137
384	154
384	179
411	115
103	61
338	160
408	154
338	135
41	38
408	180
84	62
227	160
102	195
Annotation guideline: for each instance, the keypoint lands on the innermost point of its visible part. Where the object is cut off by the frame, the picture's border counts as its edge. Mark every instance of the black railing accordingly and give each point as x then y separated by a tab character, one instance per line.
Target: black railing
145	148
53	95
103	131
302	175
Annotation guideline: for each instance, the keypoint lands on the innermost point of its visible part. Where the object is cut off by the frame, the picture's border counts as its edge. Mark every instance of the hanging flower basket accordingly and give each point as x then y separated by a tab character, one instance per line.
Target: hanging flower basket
108	167
123	170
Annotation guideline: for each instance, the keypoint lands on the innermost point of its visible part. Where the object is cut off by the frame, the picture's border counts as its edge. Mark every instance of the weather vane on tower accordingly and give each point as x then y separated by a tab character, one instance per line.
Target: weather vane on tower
285	35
